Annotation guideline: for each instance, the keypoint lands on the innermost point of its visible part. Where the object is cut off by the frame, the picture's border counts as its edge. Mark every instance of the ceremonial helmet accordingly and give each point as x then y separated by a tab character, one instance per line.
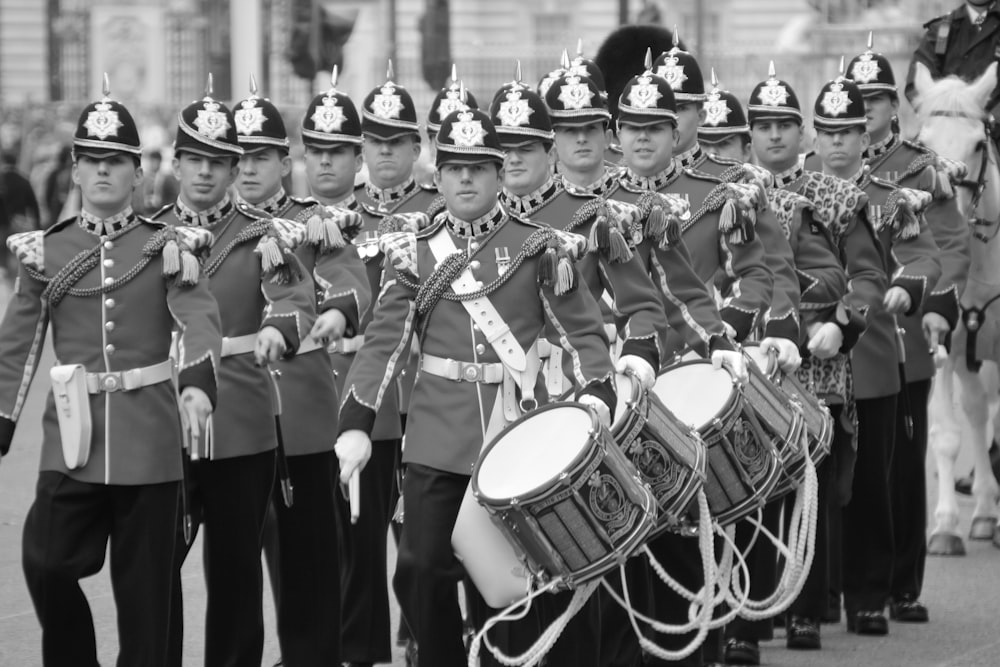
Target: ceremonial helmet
773	99
331	119
548	79
621	54
575	100
585	67
519	114
724	115
468	137
682	72
388	112
106	127
839	105
872	72
259	124
207	127
453	97
647	99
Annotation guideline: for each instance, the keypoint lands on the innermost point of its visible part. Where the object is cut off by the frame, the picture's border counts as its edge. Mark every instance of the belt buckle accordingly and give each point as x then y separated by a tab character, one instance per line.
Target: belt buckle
111	382
470	372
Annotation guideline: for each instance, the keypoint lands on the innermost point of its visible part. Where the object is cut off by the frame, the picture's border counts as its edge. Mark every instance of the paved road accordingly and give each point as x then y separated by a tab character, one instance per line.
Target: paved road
963	594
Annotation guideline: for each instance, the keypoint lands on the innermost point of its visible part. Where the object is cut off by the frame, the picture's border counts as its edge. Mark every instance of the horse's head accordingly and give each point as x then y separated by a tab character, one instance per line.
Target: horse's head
952	117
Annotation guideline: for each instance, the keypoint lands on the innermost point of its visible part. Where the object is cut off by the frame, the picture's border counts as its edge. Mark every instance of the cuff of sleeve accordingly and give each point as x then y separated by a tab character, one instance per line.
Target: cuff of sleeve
914	288
201	375
6	434
603	390
354	415
852	324
644	348
786	327
720	343
739	320
289	328
348	308
945	305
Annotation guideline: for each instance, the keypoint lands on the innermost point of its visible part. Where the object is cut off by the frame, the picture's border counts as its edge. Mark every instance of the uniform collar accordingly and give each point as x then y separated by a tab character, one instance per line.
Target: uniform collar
598	188
690	158
105	226
388	196
524	206
977	14
789	176
478	227
637	183
875	151
192	218
859	178
272	205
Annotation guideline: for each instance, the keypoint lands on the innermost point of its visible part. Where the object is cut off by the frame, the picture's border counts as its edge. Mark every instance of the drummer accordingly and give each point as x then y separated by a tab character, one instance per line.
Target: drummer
526	277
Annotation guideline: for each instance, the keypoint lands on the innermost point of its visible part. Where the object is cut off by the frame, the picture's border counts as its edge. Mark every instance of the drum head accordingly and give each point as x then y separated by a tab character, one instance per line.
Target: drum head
533	451
696	393
758	356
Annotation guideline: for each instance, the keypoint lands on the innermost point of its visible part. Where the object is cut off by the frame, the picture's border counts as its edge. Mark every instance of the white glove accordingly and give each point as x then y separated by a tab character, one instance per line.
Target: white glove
730	331
270	346
825	340
195	409
789	359
603	411
353	448
734	361
638	367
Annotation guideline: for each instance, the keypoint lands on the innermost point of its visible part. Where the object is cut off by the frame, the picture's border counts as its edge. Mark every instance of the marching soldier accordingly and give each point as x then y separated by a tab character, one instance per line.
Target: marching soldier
831	331
267	305
305	563
331	135
509	259
906	164
724	132
909	257
453	97
112	285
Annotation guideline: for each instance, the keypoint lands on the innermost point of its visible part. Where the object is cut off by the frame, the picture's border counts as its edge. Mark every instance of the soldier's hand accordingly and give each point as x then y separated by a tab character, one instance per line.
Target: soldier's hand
734	361
730	330
270	346
789	359
638	367
896	301
353	449
826	341
935	330
330	326
602	409
195	407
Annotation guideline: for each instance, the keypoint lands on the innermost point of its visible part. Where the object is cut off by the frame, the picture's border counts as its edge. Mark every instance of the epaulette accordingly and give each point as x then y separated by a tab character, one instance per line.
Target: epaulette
701	175
903	210
435	224
665	215
787	207
437	205
559	250
162	211
614	224
303	201
404	222
737	204
251	211
28	247
277	239
724	161
180	248
428	187
927	26
400	248
329	227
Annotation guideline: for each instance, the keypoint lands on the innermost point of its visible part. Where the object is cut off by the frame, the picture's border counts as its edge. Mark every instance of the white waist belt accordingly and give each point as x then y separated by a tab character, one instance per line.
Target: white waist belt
462	371
131	379
347	345
238	344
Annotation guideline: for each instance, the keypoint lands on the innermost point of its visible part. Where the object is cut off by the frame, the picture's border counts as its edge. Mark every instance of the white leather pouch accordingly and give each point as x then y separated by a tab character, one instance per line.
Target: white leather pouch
69	387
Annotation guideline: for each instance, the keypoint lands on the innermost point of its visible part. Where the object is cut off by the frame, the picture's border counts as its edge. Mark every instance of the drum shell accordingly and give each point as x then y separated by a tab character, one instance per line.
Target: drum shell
817	421
583	523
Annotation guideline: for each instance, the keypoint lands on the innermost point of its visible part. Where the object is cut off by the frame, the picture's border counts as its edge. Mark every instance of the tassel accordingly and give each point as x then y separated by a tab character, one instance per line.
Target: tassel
908	223
727	217
656	222
548	266
600	234
190	268
619	251
564	279
171	258
944	187
672	236
761	199
325	233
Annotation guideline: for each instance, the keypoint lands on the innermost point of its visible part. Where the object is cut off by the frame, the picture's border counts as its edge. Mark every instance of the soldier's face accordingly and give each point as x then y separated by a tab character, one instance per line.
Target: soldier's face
689	116
581	149
841	150
470	190
648	149
526	168
733	147
331	171
106	184
776	143
261	173
390	161
879	110
204	180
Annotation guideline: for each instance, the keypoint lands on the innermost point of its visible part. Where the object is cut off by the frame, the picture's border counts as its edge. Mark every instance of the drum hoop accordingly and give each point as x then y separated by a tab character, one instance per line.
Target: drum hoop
724	415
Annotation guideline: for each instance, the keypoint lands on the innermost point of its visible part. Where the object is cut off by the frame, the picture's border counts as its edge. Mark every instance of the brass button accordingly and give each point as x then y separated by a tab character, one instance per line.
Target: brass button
109	280
474	245
109	349
109	303
475	264
108	245
480	349
109	262
109	326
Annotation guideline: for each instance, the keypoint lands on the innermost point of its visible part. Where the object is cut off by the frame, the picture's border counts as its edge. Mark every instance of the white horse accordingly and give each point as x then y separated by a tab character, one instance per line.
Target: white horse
953	123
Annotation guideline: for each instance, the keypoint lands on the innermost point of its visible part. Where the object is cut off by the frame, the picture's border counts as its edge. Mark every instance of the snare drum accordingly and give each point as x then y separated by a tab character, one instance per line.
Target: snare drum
815	415
559	487
779	415
668	455
742	465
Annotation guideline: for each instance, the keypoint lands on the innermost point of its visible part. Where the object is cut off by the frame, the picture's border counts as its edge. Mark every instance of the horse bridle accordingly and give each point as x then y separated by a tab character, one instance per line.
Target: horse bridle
977	186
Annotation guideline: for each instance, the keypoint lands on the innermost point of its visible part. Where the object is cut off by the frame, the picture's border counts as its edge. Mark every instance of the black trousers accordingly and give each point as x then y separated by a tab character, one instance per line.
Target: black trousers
231	497
427	571
305	567
867	519
364	588
681	557
908	494
762	562
66	536
619	645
